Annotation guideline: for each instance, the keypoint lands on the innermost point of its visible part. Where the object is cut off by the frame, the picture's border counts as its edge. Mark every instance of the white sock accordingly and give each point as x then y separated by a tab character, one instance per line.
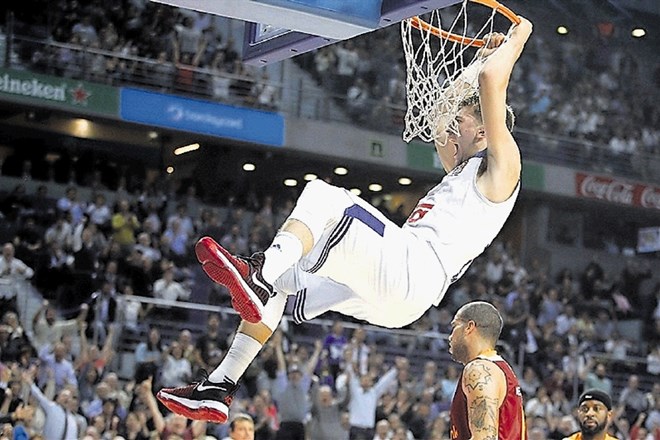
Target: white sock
284	252
240	355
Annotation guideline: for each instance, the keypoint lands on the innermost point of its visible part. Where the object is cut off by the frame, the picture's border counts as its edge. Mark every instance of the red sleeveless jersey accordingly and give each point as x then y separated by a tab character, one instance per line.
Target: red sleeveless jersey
511	418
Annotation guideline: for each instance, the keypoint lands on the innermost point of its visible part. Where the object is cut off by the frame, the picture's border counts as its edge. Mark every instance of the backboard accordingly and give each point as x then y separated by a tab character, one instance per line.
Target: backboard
280	29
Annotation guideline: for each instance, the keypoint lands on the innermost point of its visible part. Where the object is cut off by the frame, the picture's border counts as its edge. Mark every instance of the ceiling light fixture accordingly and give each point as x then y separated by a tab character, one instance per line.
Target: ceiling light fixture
186	149
81	127
638	32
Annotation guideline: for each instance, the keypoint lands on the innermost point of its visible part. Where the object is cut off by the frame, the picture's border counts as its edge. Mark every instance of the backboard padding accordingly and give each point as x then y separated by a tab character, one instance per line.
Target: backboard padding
312	23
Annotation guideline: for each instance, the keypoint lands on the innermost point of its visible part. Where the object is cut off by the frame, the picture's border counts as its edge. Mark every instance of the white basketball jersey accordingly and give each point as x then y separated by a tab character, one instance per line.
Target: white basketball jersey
457	220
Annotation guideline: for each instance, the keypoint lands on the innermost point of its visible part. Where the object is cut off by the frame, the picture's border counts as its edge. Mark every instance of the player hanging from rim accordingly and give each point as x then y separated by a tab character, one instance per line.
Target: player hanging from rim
337	252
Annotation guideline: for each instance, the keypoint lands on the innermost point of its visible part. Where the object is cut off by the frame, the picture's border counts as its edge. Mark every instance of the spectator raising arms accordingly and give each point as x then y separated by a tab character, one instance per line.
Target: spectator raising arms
59	422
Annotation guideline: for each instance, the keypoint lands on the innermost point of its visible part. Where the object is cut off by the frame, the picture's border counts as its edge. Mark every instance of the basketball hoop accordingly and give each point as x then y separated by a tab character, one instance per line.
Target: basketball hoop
420	24
436	56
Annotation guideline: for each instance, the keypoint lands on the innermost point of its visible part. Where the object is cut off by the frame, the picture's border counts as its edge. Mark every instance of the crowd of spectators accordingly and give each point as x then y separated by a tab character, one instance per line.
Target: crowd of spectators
599	92
596	92
88	258
151	44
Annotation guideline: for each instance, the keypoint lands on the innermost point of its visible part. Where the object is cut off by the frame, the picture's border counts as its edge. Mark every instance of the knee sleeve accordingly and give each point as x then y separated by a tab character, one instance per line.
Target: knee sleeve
318	204
274	310
289	282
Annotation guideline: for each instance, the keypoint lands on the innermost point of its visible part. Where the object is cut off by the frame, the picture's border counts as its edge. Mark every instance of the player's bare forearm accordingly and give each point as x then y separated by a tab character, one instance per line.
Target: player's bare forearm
504	162
498	65
466	82
481	386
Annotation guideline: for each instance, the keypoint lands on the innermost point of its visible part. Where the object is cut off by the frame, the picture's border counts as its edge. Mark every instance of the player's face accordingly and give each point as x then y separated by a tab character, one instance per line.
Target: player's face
243	430
460	145
457	345
593	416
469	128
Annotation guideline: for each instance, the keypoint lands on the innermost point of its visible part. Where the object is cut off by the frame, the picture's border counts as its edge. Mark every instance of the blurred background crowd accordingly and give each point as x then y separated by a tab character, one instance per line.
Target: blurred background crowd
86	280
594	93
103	303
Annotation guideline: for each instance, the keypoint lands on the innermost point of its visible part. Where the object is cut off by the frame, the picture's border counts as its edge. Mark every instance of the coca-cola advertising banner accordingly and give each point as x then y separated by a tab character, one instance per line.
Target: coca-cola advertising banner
616	190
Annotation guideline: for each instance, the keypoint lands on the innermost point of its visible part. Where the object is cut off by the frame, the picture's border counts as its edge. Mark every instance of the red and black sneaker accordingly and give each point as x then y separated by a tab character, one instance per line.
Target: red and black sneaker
203	400
241	275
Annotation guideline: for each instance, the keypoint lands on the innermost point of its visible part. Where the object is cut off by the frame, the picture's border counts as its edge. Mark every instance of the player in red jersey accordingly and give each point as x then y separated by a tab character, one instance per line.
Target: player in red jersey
488	402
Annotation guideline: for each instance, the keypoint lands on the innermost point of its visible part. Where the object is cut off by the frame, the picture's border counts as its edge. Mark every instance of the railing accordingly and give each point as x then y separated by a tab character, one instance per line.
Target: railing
292	98
560	150
390	342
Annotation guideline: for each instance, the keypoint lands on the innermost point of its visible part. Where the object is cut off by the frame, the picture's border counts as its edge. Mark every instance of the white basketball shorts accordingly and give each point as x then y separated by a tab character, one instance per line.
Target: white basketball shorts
362	264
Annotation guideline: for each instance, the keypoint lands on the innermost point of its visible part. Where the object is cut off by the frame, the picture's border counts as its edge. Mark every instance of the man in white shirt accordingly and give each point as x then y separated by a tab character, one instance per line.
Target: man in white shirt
171	290
364	399
12	271
48	328
168	289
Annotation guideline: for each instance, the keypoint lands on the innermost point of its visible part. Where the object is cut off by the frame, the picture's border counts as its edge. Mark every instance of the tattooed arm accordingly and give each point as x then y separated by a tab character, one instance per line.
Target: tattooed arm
484	385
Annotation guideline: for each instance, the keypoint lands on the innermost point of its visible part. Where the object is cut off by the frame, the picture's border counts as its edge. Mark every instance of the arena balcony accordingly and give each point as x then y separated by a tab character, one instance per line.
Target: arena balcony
298	95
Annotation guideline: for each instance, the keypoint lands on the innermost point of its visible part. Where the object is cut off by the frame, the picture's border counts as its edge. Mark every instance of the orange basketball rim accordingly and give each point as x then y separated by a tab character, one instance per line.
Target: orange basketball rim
420	24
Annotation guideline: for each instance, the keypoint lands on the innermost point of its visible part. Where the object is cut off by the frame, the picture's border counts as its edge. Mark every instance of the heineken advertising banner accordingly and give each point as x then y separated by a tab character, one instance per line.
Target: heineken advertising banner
46	90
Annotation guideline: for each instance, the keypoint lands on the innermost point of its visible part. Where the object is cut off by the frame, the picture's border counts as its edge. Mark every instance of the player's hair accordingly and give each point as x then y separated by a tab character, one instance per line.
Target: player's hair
486	317
240	417
472	101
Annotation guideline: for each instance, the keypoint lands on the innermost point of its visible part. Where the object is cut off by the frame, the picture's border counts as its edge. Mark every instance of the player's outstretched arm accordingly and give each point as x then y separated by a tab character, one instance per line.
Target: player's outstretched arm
504	162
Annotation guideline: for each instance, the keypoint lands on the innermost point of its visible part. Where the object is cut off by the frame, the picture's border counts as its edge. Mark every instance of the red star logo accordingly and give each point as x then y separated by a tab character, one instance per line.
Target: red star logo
80	95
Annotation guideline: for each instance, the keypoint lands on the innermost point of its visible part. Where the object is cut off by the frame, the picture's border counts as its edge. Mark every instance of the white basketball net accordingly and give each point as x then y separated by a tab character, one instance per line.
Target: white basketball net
432	65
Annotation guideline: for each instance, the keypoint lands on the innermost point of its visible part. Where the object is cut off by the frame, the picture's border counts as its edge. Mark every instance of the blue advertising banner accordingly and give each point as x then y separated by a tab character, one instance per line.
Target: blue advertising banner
205	117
